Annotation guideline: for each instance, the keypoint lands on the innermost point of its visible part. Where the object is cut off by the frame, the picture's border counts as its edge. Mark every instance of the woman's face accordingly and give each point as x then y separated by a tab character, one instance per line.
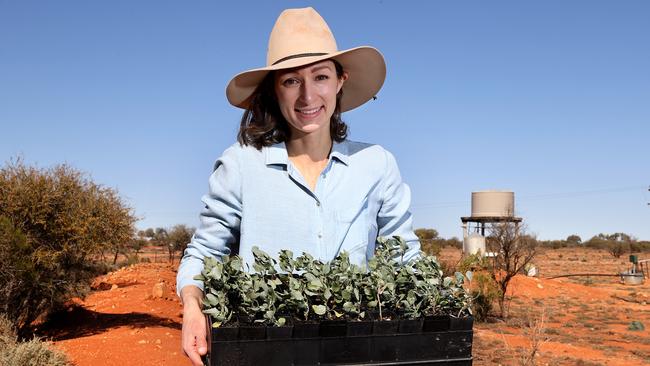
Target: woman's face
307	96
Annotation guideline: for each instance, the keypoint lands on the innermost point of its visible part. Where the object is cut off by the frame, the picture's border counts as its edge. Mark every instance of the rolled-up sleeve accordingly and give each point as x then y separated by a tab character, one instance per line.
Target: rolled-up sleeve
220	220
394	217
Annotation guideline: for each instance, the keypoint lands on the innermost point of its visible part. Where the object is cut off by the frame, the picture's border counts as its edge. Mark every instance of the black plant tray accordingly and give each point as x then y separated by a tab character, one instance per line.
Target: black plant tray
451	346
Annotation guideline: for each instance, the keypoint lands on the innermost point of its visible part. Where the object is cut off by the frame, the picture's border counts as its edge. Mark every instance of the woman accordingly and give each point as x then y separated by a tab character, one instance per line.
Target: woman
293	181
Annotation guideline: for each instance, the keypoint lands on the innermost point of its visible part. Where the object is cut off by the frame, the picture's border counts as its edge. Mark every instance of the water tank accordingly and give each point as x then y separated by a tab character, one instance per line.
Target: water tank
474	243
493	204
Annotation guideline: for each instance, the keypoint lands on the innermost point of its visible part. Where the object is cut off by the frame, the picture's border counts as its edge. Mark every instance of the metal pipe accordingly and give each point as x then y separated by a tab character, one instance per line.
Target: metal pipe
588	274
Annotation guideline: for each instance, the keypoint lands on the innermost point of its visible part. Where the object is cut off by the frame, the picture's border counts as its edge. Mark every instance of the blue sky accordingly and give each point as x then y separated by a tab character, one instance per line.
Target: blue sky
550	99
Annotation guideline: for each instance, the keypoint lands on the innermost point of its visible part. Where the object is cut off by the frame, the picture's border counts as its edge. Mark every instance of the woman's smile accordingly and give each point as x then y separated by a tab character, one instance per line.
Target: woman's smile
310	113
307	96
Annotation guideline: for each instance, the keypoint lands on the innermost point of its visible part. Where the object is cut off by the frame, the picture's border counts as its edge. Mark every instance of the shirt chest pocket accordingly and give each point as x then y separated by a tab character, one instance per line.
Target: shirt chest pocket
356	229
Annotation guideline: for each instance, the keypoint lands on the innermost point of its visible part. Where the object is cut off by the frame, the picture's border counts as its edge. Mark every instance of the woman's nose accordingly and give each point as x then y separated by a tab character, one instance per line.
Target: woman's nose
307	91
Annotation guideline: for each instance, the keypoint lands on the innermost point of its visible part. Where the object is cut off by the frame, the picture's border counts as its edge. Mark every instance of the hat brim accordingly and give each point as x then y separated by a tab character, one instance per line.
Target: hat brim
365	66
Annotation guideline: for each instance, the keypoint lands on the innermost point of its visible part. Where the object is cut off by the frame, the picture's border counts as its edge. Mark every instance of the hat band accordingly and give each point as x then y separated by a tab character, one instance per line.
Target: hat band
298	56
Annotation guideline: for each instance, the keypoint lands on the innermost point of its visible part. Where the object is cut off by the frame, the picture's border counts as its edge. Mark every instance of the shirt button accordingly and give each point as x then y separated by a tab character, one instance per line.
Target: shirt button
320	235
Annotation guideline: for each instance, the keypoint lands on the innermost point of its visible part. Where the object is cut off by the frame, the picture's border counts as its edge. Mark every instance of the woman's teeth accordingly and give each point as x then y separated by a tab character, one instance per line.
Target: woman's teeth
309	111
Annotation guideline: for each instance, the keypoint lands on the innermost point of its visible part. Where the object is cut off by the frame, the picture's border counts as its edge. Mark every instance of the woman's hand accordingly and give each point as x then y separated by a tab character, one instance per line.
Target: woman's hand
194	325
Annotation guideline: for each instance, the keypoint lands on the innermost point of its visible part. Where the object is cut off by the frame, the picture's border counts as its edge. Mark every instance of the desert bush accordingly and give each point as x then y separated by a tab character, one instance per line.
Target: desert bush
617	249
639	246
430	247
484	290
30	353
616	244
573	240
454	242
53	223
553	244
132	259
448	268
597	243
432	244
7	333
429	241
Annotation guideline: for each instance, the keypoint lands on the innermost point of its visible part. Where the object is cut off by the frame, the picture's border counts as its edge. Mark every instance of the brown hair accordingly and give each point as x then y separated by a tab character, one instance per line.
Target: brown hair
264	125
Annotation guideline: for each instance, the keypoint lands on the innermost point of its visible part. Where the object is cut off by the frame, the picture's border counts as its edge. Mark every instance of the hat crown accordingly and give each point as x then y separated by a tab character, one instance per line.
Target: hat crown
297	32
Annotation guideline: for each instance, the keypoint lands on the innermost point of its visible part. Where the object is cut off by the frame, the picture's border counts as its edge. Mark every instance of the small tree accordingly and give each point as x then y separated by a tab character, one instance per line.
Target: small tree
574	240
178	238
514	250
150	233
137	243
160	238
618	248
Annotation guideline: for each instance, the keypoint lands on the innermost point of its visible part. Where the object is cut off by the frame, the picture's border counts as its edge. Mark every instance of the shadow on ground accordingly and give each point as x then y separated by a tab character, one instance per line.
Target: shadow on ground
78	321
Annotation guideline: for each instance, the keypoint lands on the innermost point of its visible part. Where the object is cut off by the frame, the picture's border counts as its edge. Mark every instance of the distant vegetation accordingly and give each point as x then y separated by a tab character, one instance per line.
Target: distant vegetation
616	244
172	240
431	243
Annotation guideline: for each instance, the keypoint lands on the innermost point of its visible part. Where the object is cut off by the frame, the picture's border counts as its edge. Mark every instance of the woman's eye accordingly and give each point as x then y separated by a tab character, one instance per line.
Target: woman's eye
290	82
322	77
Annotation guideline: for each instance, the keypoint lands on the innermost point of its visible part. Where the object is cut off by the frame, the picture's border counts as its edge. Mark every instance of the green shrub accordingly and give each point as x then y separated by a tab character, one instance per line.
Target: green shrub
429	241
454	242
53	223
132	259
484	290
636	326
430	247
639	246
617	249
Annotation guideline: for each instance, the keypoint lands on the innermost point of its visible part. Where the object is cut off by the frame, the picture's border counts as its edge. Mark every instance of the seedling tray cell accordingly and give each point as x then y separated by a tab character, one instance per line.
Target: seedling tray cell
451	347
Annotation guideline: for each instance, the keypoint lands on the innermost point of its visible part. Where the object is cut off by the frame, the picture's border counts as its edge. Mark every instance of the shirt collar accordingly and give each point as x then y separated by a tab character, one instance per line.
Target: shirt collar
276	154
340	152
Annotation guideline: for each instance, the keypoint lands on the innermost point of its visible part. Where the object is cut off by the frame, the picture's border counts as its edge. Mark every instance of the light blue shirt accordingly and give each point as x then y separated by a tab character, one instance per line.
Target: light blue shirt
258	198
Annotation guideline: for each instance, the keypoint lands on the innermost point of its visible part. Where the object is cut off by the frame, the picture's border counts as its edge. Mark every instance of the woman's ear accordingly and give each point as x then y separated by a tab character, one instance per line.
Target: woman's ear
342	80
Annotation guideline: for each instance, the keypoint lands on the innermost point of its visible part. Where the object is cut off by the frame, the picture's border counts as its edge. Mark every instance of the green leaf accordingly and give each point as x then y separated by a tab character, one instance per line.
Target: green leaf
319	309
469	275
296	295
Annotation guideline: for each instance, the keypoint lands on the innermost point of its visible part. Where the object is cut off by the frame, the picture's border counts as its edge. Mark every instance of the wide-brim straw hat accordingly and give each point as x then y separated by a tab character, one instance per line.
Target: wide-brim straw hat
301	37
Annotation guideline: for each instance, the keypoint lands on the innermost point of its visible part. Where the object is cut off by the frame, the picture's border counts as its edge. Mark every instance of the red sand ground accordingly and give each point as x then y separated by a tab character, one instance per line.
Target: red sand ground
586	319
124	324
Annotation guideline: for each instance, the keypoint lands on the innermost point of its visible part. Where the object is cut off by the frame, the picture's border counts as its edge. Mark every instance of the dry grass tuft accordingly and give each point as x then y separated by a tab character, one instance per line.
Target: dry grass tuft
30	353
